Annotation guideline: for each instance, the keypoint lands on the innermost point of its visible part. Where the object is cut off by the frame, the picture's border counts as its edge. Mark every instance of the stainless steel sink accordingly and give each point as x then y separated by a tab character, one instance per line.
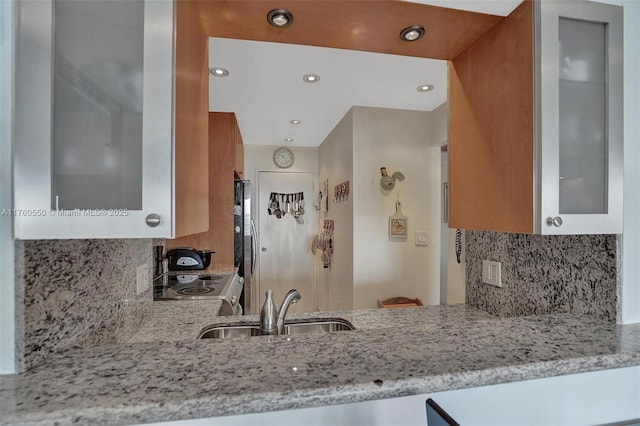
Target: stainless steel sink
317	326
294	327
227	331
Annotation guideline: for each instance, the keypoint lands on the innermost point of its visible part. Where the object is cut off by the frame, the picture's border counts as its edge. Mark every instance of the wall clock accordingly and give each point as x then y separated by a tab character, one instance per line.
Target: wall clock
283	157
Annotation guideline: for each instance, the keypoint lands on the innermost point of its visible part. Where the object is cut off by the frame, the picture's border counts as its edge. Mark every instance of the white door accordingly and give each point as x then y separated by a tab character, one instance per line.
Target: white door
285	257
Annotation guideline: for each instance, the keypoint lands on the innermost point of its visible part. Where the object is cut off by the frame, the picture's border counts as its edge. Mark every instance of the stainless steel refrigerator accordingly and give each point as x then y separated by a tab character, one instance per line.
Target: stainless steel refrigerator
244	243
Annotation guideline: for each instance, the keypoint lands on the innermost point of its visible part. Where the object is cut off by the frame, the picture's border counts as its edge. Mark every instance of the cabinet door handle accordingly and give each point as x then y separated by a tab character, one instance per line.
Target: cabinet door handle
152	220
554	221
254	247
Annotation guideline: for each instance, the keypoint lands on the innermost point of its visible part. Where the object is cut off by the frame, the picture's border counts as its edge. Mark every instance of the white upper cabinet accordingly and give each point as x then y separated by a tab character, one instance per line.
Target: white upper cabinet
94	119
579	101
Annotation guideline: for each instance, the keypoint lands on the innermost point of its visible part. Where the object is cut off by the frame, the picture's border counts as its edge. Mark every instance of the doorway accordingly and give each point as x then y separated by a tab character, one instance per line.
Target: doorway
284	255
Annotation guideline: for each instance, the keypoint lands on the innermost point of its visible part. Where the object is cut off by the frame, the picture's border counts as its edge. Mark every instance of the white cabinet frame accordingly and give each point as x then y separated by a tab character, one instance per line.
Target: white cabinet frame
547	14
34	217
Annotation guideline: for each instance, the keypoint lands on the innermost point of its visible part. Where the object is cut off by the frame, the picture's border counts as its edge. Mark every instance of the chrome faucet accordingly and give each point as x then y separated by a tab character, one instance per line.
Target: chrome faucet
290	298
272	320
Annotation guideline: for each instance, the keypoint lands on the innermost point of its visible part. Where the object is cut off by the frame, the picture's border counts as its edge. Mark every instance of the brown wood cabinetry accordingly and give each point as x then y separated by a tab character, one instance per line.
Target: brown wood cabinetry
191	197
224	139
239	161
371	26
491	129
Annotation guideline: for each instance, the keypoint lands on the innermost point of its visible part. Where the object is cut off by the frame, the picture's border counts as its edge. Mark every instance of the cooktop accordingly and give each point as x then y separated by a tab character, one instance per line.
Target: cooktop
179	286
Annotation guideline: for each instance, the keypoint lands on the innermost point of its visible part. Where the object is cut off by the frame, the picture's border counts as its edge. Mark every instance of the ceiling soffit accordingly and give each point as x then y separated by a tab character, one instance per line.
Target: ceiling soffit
372	26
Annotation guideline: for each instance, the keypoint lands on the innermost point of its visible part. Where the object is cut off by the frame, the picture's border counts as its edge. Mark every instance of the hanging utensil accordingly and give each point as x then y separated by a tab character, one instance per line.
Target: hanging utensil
296	213
326	259
271	207
298	216
285	203
278	210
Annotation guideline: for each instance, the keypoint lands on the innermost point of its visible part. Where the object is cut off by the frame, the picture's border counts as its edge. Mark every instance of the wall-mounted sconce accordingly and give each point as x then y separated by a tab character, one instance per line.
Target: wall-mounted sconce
389	182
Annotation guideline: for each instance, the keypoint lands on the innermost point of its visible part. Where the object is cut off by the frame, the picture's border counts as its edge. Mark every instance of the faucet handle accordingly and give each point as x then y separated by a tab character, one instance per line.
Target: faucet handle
269	315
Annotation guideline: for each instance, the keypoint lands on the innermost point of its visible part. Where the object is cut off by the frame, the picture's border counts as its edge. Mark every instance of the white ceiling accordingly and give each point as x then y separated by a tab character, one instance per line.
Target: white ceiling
492	7
265	88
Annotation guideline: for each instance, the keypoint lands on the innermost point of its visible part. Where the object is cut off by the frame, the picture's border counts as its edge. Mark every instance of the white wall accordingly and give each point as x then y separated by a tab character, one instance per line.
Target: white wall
444	230
440	125
260	158
7	288
399	140
336	164
452	279
455	271
452	273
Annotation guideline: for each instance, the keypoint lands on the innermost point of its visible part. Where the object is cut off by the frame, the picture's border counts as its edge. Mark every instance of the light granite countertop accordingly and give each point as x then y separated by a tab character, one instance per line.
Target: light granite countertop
392	353
178	320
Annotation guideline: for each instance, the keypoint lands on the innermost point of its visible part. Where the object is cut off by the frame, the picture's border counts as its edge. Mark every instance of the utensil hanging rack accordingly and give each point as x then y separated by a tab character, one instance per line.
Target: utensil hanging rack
281	203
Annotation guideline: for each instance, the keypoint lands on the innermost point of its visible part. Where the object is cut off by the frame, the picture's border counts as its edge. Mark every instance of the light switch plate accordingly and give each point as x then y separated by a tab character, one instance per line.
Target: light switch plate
142	278
421	238
492	273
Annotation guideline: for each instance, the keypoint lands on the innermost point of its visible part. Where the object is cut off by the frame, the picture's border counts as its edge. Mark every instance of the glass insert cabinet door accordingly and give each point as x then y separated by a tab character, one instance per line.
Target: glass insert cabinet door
579	120
94	111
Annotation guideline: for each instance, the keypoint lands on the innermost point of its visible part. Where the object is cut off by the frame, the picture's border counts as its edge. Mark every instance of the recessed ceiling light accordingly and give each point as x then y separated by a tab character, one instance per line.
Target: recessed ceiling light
295	121
413	33
288	139
218	72
311	78
280	18
425	88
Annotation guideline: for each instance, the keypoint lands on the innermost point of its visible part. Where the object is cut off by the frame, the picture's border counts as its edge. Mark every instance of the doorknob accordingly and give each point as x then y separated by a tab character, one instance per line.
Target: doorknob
263	249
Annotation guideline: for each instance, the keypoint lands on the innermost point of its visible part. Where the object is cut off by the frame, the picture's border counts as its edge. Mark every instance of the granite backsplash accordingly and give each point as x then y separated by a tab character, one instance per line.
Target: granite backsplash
78	292
544	274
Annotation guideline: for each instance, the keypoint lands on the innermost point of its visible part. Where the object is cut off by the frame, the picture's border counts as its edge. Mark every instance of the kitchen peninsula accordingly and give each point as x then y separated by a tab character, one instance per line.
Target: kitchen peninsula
164	374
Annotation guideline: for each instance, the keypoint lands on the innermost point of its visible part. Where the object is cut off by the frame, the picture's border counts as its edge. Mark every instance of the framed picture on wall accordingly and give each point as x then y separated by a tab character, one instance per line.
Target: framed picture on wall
398	224
397	227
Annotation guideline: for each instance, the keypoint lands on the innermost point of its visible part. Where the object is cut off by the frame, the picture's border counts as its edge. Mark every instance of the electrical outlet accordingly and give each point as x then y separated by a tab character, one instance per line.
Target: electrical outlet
421	238
142	278
492	273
